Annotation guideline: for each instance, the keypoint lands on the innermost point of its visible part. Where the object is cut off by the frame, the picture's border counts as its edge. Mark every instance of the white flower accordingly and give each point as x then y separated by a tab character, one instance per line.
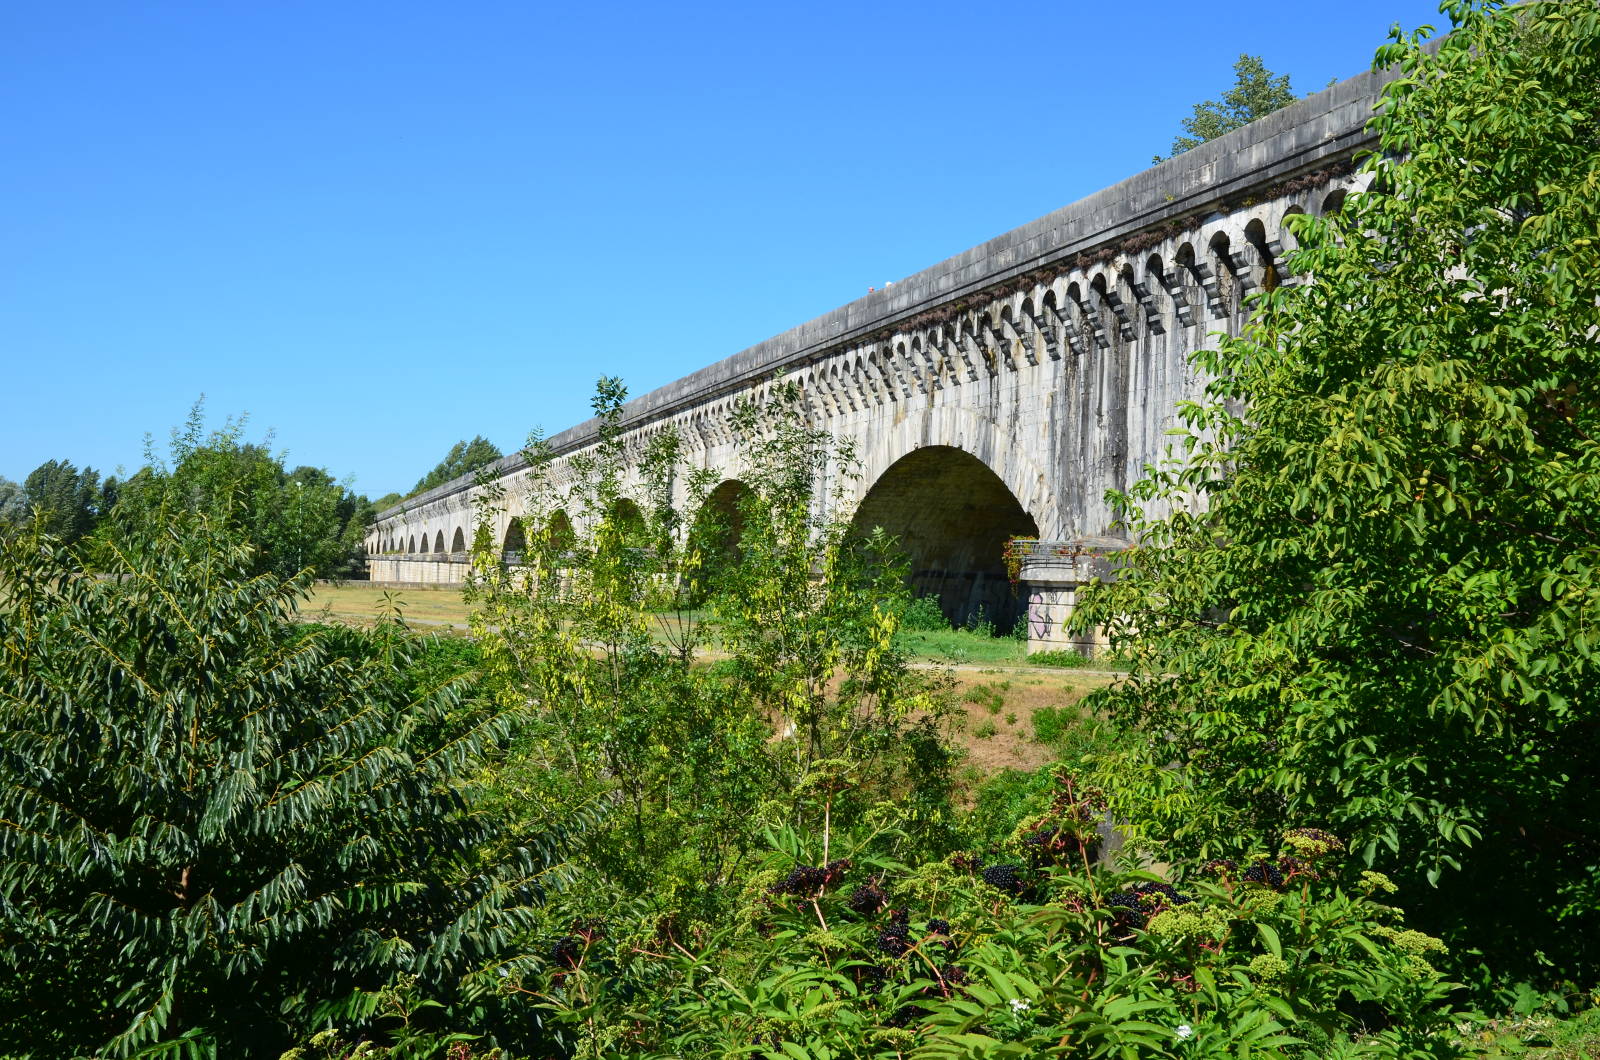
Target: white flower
1185	1031
1018	1005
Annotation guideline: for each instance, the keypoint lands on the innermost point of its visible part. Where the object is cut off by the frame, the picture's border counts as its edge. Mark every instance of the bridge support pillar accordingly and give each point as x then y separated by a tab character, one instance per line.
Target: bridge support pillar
1049	576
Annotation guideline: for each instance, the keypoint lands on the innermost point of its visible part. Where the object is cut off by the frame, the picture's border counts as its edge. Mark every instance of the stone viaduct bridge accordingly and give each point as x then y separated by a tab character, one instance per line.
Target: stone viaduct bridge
1002	392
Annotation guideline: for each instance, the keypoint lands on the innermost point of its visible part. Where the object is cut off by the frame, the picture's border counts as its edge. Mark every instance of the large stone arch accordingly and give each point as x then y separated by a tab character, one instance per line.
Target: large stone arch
977	435
952	515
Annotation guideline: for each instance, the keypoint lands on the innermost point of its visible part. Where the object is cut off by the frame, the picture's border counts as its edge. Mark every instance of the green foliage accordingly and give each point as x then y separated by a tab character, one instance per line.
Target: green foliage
13	504
1382	616
814	719
295	520
923	613
68	502
463	459
1256	92
1033	954
1064	658
219	831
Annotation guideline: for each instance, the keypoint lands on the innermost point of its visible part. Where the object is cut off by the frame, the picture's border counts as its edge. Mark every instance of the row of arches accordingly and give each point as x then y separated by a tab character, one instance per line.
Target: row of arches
950	513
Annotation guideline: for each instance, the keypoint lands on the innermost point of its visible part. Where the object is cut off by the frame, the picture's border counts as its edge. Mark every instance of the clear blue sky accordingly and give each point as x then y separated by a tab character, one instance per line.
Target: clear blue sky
378	228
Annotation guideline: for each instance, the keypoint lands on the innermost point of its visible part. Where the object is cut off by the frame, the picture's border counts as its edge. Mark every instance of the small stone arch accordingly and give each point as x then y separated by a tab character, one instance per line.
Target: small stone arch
458	541
557	533
627	516
438	543
1333	202
515	540
718	531
1255	234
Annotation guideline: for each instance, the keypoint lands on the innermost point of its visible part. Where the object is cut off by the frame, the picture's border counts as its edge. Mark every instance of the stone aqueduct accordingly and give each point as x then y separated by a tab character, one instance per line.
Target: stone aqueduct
1002	392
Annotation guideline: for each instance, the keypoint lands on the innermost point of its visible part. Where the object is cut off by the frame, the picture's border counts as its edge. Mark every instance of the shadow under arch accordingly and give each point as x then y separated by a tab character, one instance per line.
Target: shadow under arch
717	531
515	540
952	516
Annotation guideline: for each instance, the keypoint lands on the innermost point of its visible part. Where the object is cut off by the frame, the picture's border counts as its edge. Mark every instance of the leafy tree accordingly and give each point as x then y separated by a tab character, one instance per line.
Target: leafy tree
300	519
825	726
1381	619
463	459
1256	92
387	501
67	500
220	831
13	503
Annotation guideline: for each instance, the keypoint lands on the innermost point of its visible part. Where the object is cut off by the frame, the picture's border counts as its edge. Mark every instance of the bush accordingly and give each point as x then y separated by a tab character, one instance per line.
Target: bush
1061	657
221	831
923	613
1383	616
1027	951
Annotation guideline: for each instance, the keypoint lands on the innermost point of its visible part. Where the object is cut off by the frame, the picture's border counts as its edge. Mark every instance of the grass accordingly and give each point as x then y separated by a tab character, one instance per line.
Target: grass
360	603
964	647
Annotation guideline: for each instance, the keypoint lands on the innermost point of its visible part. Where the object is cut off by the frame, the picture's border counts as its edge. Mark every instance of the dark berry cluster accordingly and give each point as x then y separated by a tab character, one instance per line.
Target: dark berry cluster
1316	835
809	879
1128	910
1294	868
938	926
962	861
1004	877
894	940
1048	845
1160	895
1220	867
867	899
566	951
1264	872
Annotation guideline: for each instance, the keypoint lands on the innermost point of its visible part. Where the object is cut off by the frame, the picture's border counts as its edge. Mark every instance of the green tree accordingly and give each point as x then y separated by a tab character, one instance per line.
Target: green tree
596	627
67	500
300	519
13	504
1382	618
1256	92
463	459
219	830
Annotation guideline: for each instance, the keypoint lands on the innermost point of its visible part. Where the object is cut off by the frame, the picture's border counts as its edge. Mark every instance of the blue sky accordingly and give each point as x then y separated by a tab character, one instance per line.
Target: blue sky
378	228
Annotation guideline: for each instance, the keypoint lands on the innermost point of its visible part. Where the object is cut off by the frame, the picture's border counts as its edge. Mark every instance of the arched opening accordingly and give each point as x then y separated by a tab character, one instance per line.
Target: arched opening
411	544
718	530
952	516
1255	233
458	543
515	542
629	519
559	537
438	542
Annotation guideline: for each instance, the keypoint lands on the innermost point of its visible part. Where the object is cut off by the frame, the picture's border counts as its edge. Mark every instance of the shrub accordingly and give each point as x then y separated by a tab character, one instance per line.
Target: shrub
1383	615
220	831
1061	657
1029	952
923	613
